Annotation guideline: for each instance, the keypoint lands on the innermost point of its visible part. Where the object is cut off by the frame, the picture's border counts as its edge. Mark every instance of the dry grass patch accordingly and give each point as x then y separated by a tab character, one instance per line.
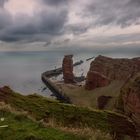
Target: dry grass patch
81	97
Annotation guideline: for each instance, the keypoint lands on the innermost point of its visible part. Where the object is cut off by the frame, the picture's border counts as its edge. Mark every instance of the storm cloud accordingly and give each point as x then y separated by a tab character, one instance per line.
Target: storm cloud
2	2
70	22
45	23
118	12
56	2
134	2
5	19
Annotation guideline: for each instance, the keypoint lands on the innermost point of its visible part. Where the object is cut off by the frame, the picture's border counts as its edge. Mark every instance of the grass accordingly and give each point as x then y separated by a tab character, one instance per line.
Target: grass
22	128
63	115
81	97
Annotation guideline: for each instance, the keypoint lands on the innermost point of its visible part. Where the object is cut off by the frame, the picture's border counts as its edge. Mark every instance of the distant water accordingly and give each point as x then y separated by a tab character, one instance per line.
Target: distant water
22	70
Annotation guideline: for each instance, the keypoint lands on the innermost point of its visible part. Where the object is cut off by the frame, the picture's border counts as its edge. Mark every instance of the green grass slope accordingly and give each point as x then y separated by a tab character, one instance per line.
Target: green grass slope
22	128
41	108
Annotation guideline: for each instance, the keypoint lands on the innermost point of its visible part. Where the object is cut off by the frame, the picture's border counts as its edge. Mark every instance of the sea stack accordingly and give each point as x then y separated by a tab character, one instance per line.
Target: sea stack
67	67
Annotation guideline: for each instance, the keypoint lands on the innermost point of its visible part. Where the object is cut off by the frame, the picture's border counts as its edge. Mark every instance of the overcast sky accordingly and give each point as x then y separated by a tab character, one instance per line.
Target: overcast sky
69	24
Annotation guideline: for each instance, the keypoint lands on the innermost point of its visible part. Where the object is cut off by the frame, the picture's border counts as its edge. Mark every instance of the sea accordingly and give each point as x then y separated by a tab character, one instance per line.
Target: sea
22	70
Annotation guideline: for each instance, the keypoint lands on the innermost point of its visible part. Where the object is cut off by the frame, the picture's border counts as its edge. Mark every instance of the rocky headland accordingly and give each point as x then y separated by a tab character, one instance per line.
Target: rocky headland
116	68
103	73
109	101
109	69
111	84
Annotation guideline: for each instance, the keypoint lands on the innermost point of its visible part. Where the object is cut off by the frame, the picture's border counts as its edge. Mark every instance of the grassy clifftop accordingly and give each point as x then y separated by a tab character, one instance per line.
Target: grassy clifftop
44	110
19	127
81	97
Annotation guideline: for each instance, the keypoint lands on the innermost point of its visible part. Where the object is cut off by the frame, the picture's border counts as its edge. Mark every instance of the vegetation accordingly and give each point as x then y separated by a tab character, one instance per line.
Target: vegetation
19	127
58	115
81	97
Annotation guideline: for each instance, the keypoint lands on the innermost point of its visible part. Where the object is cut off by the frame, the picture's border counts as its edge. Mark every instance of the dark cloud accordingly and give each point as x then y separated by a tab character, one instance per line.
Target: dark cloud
56	2
51	19
66	40
135	2
76	29
61	42
58	42
2	2
120	38
47	43
38	27
5	19
45	22
117	12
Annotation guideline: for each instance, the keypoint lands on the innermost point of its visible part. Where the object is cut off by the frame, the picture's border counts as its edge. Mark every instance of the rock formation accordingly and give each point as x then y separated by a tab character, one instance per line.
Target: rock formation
116	69
102	101
130	100
5	93
103	69
67	68
95	80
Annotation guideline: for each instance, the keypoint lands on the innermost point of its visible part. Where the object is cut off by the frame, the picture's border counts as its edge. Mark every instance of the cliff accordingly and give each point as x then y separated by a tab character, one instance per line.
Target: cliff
95	79
116	69
104	70
129	101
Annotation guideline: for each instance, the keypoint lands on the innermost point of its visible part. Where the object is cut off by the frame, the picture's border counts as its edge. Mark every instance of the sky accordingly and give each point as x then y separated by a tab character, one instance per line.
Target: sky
34	25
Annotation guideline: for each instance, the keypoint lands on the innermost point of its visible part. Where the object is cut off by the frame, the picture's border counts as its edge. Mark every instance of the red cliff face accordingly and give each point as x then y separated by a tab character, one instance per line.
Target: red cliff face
116	69
95	80
130	95
67	67
104	68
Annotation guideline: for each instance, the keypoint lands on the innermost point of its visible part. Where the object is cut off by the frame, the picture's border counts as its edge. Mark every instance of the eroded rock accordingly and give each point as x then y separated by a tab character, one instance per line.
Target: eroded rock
95	79
67	67
130	96
116	69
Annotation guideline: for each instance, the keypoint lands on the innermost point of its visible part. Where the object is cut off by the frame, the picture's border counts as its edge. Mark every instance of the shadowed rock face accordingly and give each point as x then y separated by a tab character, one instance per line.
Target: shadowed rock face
67	67
116	69
95	80
102	101
5	93
130	95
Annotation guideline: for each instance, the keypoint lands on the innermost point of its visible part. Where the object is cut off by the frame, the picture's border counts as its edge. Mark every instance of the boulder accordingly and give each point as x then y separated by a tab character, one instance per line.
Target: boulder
67	68
95	79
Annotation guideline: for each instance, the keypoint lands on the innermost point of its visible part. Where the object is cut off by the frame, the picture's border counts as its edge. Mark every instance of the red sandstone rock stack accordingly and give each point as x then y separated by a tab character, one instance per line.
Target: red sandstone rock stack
106	68
95	80
67	67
